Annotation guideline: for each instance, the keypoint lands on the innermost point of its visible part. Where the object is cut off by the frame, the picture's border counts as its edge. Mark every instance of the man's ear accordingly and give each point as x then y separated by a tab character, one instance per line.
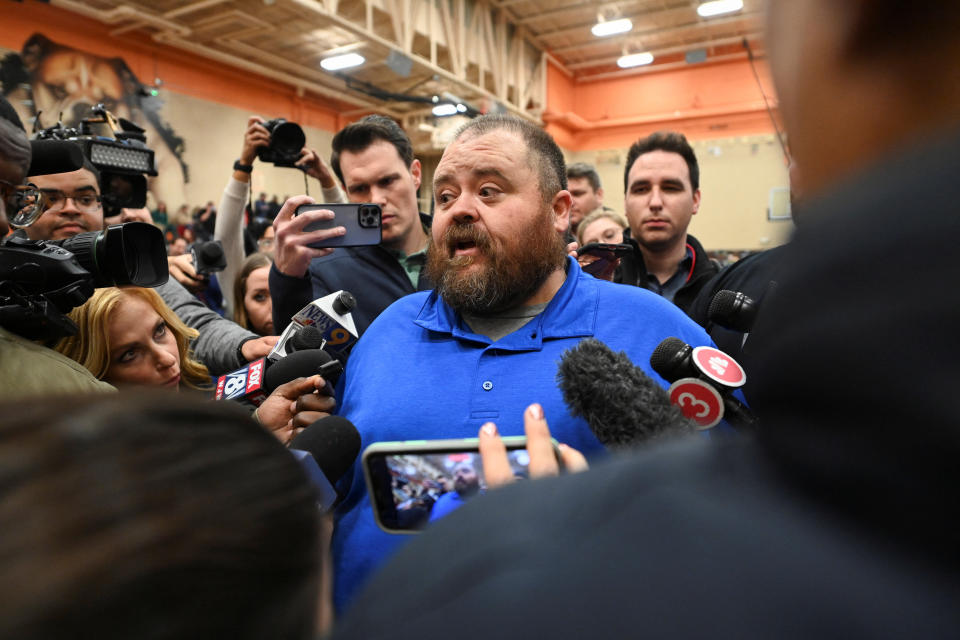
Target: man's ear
415	172
600	194
561	210
696	202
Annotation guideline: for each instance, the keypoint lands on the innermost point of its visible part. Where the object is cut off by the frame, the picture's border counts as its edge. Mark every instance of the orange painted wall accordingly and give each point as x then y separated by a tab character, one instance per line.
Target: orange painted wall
703	101
180	71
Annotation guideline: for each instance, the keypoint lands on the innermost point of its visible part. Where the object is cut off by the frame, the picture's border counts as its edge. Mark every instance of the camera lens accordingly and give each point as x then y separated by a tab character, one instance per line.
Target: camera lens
124	254
287	138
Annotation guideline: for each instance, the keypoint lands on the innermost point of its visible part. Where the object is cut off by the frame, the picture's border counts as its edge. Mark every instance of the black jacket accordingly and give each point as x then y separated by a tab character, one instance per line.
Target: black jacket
633	271
371	274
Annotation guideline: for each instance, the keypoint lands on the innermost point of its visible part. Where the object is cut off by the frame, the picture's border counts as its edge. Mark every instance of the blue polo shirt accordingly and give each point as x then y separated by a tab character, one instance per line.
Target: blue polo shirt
419	372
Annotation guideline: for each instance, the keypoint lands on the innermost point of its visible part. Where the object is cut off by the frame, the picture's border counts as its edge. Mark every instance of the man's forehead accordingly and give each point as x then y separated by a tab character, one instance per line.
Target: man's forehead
379	157
660	164
472	152
67	182
580	184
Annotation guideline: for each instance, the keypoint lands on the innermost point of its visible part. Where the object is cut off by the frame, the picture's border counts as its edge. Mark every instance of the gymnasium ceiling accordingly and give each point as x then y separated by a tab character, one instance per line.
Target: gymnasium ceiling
489	54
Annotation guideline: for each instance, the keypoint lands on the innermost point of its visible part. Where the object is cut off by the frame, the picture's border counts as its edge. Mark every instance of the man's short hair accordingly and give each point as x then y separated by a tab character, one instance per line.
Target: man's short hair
663	141
540	146
584	170
358	136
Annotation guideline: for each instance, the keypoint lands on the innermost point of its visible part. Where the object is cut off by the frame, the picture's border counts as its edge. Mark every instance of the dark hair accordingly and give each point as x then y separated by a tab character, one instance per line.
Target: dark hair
541	147
131	516
7	112
358	136
584	170
92	169
663	141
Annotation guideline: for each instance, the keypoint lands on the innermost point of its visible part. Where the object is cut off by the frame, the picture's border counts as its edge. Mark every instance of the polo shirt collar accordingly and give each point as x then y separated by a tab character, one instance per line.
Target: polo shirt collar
571	313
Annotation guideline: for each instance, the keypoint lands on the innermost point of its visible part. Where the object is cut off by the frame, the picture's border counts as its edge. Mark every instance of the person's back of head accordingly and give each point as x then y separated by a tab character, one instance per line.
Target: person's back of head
134	517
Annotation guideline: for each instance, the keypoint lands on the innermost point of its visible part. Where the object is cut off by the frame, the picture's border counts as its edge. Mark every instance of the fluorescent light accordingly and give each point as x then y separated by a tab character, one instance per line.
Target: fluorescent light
345	61
445	109
719	7
611	27
635	60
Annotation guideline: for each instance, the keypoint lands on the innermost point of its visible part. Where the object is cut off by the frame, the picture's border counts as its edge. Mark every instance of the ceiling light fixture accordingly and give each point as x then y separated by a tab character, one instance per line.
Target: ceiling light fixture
347	60
635	60
611	27
445	109
719	7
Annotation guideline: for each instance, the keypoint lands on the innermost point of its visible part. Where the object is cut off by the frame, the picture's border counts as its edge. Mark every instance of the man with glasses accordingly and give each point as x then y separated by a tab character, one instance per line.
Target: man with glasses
71	204
27	368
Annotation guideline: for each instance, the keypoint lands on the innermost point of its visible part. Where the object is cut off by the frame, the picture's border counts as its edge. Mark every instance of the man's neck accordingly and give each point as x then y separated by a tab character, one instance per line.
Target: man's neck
663	263
549	287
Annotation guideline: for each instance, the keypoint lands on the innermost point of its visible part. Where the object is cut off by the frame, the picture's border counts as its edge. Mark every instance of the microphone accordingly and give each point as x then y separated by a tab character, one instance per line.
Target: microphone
326	449
733	310
621	404
258	379
246	384
303	364
307	338
54	156
331	317
703	375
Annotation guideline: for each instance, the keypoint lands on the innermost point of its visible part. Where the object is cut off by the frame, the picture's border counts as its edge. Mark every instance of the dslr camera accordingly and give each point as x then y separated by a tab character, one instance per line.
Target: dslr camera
286	141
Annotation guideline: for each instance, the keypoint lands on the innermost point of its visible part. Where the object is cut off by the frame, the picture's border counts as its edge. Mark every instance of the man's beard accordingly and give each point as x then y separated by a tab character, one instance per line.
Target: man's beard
511	273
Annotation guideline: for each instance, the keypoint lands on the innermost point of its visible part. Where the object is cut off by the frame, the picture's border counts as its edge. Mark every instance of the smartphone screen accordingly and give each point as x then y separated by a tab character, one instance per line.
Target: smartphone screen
413	484
361	220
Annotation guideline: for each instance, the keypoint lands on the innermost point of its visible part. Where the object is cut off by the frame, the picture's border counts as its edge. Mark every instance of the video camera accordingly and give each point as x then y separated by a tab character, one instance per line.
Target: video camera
286	142
42	281
123	160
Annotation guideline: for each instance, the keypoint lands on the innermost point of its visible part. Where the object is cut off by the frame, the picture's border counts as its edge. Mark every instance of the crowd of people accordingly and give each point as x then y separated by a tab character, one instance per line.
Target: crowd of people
133	512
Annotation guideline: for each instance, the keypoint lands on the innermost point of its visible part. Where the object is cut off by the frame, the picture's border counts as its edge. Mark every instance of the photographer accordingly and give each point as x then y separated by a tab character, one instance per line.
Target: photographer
73	206
26	368
229	219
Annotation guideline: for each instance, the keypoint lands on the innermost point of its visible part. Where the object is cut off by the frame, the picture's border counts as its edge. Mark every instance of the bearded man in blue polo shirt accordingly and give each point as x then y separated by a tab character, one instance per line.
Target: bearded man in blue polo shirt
486	342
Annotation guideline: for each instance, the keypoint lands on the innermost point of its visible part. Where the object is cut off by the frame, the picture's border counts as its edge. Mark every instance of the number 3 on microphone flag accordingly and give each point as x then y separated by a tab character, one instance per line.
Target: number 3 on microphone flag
698	401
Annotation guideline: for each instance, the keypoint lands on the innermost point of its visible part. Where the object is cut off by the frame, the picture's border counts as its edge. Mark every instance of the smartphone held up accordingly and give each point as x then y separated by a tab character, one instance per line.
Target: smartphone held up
412	484
363	222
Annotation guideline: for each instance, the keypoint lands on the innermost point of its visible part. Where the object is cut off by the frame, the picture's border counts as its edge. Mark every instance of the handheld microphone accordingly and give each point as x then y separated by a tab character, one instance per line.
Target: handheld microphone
246	384
733	310
689	369
307	338
621	404
331	317
326	449
303	364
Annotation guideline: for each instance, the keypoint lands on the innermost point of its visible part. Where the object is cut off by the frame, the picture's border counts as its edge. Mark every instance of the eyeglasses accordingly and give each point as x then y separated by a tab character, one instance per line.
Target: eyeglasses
85	201
22	202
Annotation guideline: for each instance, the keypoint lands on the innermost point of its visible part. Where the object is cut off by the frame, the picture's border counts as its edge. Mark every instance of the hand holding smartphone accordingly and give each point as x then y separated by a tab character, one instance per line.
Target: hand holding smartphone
362	221
414	483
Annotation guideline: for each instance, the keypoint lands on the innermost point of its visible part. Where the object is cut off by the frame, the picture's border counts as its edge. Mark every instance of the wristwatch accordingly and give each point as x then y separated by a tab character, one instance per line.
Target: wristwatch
239	166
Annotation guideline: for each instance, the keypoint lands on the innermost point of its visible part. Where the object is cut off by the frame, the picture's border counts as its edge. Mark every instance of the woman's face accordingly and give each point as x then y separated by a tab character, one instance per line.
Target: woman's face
256	300
143	350
603	230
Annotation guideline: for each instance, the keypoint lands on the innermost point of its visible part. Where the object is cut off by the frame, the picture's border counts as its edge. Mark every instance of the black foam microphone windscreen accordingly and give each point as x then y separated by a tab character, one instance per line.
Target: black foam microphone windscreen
302	364
733	310
622	405
333	442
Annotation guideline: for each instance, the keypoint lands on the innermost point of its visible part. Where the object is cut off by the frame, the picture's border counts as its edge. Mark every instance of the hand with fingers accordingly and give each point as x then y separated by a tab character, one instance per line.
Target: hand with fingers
292	253
293	406
543	461
316	168
182	270
254	137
